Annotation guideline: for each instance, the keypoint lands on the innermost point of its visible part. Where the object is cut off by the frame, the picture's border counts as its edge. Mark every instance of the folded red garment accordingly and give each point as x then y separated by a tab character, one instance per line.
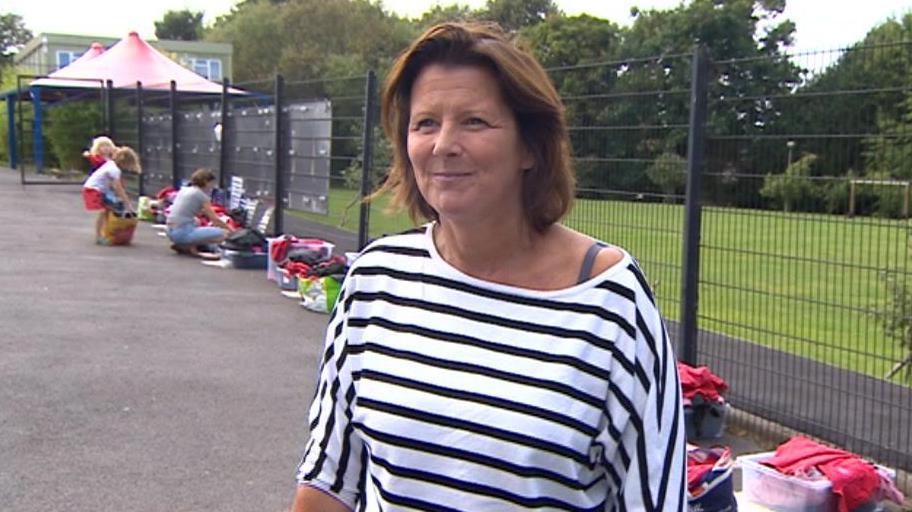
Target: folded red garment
297	269
701	381
280	248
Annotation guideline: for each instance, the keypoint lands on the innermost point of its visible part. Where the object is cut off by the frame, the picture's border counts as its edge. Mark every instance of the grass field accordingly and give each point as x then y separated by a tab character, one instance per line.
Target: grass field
803	283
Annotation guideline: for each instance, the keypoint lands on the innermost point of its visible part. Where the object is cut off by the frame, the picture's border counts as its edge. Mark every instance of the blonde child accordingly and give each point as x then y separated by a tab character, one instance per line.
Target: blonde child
101	151
104	190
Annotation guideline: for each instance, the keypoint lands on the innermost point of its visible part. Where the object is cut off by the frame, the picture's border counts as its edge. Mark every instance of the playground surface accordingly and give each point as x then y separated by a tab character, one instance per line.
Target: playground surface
132	378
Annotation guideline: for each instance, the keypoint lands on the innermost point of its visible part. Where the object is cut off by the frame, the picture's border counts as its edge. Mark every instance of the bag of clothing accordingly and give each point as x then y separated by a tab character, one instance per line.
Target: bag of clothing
239	215
319	293
710	487
246	240
119	228
144	208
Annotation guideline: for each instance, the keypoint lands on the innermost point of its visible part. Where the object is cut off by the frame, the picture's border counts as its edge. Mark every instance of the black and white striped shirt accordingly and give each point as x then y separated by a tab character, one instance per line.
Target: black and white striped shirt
440	391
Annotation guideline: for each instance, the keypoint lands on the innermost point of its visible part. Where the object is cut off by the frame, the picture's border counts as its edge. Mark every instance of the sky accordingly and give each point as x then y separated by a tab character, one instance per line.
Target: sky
820	24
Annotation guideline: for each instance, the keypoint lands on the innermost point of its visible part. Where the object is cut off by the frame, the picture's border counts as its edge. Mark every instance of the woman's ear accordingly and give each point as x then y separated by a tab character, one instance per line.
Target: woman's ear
527	160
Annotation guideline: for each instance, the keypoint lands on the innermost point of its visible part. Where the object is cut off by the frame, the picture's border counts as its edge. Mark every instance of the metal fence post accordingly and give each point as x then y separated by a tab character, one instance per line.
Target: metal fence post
20	130
37	129
172	104
278	213
139	131
223	134
11	130
109	108
687	334
367	157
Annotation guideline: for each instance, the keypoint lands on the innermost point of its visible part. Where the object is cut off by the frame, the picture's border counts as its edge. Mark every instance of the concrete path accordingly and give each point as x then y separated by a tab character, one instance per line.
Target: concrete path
135	379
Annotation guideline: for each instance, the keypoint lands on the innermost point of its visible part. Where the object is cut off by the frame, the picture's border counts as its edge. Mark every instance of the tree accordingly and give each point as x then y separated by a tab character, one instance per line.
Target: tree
792	186
255	31
72	124
513	15
13	35
750	79
889	153
439	14
184	25
302	39
669	173
311	32
896	320
876	71
567	41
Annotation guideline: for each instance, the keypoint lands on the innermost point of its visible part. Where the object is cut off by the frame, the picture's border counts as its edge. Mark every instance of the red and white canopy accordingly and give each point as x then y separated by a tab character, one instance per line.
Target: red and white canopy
129	61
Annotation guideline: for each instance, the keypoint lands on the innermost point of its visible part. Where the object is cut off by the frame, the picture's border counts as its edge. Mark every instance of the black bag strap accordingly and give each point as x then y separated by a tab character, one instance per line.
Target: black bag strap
588	260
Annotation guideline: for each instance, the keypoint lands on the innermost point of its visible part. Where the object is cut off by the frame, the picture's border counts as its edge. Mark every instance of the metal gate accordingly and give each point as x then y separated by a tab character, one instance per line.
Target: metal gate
81	106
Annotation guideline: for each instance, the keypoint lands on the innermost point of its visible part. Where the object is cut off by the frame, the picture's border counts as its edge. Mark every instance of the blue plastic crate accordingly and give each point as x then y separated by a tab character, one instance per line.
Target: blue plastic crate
245	260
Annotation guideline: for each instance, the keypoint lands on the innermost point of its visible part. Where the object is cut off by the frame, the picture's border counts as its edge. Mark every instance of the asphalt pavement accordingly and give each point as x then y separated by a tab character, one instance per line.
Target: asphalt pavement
132	378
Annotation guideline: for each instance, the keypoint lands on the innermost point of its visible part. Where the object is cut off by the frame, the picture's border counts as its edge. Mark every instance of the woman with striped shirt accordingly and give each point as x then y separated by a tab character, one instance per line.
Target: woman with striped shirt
492	359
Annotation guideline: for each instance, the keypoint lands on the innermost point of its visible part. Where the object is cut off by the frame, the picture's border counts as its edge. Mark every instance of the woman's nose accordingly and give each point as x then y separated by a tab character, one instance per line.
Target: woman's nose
447	142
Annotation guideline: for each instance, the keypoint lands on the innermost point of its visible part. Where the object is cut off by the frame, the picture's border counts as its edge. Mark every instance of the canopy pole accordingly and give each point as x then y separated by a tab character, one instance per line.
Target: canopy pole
11	130
37	133
139	133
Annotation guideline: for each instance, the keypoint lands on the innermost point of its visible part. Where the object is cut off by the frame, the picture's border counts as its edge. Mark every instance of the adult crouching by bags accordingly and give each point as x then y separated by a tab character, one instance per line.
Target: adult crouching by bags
191	201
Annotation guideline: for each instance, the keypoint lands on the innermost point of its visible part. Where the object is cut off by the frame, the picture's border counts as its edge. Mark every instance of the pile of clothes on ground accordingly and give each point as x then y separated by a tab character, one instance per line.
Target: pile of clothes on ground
306	269
704	402
710	485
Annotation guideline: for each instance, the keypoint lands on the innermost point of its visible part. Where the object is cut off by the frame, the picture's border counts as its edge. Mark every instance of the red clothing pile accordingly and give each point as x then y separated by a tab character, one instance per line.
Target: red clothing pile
701	382
856	482
282	245
222	214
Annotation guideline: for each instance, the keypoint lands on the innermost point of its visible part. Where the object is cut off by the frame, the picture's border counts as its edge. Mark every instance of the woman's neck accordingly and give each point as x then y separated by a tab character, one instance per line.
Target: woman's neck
486	250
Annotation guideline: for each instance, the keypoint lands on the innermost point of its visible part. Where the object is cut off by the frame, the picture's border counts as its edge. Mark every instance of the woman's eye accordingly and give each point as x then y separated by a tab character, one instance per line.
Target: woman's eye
424	124
476	121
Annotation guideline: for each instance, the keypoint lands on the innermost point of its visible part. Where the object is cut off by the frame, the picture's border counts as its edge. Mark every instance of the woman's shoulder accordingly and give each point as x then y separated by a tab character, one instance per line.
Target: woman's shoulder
411	242
606	258
577	246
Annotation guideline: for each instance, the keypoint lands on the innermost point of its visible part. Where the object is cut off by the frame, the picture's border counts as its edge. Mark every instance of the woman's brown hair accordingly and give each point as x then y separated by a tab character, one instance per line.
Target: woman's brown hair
548	187
201	177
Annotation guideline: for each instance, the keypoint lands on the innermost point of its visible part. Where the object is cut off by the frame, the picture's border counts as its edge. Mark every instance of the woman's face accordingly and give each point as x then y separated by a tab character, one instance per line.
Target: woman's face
464	145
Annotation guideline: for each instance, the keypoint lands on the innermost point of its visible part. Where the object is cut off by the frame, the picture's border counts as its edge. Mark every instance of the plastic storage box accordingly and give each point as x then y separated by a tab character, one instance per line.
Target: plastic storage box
767	487
271	266
246	260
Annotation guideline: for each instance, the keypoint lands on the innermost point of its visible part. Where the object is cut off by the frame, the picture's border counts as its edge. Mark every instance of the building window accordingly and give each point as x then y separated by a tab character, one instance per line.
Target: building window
209	68
215	70
64	58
